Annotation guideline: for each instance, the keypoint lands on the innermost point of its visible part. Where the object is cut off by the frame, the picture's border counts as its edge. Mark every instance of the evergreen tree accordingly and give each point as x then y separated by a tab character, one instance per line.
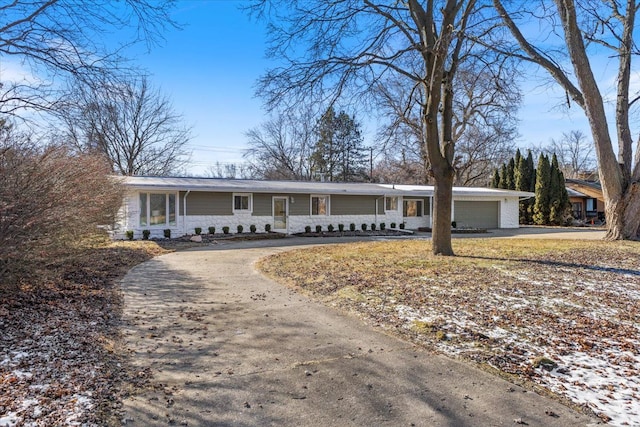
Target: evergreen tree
558	197
524	176
511	172
517	158
495	182
504	177
339	154
541	207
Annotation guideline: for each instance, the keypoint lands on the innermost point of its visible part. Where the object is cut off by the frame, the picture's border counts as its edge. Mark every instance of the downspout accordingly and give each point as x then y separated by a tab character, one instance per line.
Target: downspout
184	211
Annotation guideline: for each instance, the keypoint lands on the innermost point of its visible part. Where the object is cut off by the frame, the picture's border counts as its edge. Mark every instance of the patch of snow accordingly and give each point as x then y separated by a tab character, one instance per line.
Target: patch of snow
596	382
10	419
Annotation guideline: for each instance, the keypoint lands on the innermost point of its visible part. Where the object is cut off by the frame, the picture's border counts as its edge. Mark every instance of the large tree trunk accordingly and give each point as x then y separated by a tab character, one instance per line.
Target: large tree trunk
622	215
442	202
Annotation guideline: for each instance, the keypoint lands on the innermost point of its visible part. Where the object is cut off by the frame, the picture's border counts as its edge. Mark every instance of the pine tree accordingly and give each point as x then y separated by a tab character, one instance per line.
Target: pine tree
541	207
339	154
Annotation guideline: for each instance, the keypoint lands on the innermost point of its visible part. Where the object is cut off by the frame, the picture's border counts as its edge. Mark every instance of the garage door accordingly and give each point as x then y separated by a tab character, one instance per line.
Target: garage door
476	214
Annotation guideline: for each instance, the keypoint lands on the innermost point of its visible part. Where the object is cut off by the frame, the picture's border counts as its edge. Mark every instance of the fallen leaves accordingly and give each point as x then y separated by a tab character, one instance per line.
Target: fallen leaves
58	358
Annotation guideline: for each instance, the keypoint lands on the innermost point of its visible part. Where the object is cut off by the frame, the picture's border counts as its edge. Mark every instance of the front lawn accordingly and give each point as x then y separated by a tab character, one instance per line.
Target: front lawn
562	314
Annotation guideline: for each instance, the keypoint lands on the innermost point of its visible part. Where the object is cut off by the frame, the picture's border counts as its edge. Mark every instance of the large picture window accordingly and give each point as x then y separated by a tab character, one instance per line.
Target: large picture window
319	205
157	209
412	208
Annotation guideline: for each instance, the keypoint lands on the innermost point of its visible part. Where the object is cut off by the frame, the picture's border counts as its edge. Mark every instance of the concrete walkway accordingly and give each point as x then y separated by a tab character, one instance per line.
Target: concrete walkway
229	347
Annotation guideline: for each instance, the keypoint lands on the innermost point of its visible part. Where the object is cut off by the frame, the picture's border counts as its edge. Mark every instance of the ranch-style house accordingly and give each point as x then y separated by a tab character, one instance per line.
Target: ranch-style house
182	204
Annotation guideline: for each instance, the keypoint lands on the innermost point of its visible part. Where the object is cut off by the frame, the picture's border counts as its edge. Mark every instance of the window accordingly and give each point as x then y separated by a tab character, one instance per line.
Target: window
390	203
412	208
157	209
242	202
577	210
319	205
592	205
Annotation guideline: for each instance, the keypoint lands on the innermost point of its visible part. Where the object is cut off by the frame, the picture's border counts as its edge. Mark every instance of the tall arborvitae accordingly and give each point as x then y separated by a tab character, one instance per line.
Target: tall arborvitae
532	170
558	197
525	181
541	207
495	182
504	177
511	172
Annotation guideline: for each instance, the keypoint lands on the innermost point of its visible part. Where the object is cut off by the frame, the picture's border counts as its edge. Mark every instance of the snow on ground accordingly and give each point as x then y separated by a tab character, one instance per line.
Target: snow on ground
581	325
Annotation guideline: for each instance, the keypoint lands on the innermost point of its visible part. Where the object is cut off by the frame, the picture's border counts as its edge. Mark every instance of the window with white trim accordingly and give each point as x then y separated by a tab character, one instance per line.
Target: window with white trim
242	202
390	203
319	205
158	209
412	207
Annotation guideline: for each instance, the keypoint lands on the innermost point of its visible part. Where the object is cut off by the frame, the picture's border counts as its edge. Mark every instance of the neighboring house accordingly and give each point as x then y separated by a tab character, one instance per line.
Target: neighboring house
182	204
587	201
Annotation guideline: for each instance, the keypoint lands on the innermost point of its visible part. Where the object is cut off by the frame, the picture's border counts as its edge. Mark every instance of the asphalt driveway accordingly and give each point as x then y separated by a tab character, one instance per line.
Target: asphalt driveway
228	347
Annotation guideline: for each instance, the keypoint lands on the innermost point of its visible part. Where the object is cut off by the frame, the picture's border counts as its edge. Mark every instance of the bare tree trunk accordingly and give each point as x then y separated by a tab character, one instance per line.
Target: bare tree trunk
623	221
442	199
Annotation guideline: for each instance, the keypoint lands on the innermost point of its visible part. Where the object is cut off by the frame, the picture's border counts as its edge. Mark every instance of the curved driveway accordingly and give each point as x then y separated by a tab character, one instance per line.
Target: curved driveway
229	347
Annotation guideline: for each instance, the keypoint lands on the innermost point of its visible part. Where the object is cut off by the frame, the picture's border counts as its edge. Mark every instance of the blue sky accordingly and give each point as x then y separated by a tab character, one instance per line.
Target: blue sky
209	70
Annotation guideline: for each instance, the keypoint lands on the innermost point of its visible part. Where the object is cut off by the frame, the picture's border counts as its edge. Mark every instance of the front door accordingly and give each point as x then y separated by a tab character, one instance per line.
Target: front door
280	214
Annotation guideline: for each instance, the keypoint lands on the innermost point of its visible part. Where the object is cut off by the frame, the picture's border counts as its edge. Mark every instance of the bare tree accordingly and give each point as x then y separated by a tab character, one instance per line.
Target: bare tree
576	156
229	171
132	124
343	48
579	27
55	39
282	147
392	170
49	199
485	124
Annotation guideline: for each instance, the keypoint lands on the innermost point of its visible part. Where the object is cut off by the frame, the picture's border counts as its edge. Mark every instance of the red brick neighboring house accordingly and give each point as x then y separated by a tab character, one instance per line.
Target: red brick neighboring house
586	198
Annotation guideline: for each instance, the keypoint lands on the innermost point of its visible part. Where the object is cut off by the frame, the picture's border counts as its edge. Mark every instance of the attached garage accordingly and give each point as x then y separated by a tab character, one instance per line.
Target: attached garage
477	214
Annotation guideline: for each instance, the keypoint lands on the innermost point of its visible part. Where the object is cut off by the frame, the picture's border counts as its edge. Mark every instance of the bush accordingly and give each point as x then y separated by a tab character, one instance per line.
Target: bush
383	226
252	228
364	227
330	227
352	227
373	226
307	229
129	234
267	228
402	226
51	200
167	233
198	230
393	225
318	229
341	227
146	234
212	230
225	229
240	229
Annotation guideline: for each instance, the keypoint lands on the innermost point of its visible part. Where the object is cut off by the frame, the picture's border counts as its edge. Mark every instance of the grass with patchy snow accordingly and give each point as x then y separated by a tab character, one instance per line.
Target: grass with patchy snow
505	303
